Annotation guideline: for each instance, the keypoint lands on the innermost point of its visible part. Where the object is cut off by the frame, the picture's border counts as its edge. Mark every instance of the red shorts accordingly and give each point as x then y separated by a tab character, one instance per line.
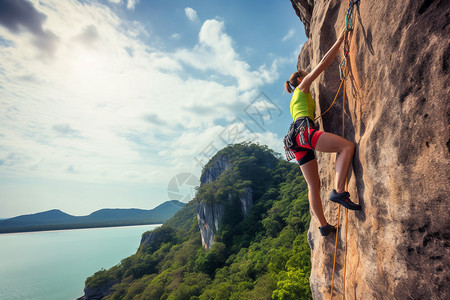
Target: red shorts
307	153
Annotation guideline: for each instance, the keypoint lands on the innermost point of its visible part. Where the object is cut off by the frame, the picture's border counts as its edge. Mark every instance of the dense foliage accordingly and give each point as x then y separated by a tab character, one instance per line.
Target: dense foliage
263	255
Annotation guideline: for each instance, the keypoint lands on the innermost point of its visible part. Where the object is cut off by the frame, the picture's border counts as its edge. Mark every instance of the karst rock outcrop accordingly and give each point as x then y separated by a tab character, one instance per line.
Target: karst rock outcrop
209	215
397	113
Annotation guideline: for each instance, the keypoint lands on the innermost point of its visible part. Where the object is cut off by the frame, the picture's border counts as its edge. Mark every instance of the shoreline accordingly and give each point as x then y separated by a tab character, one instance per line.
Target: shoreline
62	227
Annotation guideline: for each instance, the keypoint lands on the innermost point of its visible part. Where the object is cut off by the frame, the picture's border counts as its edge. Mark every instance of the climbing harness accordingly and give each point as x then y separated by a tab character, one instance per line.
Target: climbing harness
290	144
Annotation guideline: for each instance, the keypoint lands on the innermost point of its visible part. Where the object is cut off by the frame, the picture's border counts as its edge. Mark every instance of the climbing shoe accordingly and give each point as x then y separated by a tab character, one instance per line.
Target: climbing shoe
327	229
344	199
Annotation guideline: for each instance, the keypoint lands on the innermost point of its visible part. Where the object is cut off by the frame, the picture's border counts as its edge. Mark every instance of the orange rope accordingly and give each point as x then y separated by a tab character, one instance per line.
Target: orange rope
346	187
345	253
335	97
339	208
335	249
346	53
343	103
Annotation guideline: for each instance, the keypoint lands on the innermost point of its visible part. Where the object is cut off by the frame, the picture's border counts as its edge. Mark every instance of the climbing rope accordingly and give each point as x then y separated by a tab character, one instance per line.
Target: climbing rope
339	207
342	67
335	97
343	64
343	72
348	16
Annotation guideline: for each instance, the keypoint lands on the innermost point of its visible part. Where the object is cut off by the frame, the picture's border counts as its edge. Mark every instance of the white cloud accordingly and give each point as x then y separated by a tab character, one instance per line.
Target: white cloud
191	14
132	4
289	35
110	108
215	52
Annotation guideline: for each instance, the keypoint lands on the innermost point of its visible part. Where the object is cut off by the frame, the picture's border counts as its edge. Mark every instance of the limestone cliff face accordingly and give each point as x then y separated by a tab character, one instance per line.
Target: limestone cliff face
209	215
397	113
97	293
211	174
208	218
158	236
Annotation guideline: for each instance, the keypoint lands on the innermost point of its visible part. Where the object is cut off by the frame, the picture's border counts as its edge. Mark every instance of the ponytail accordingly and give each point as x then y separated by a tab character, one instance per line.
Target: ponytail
292	83
288	87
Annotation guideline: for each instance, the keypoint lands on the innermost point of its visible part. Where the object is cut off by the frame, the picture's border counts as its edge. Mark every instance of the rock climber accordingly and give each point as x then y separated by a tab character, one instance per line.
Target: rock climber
307	138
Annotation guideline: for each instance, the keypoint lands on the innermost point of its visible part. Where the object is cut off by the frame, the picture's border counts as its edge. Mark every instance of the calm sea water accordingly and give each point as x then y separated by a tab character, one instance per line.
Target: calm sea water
53	265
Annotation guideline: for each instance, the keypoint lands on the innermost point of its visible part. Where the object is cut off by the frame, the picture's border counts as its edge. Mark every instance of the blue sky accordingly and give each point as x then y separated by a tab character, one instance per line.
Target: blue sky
119	104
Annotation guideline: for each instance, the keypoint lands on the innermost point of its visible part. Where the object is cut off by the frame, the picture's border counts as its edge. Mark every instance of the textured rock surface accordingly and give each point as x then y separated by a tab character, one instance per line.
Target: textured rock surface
215	170
246	200
210	215
97	293
158	236
397	113
208	218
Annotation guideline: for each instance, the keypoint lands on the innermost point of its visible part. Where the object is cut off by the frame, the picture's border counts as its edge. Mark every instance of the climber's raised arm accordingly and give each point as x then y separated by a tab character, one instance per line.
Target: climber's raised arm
323	64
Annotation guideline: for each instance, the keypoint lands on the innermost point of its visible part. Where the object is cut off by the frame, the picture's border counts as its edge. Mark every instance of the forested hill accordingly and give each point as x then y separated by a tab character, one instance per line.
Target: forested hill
57	220
260	253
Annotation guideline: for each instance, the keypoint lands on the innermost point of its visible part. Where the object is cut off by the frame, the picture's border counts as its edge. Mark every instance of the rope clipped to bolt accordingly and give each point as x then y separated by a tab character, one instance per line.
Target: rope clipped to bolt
343	63
348	16
343	72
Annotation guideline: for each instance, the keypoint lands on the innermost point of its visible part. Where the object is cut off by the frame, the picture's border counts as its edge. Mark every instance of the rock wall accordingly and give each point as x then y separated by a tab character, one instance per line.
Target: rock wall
246	200
208	219
97	293
211	174
156	237
397	113
209	215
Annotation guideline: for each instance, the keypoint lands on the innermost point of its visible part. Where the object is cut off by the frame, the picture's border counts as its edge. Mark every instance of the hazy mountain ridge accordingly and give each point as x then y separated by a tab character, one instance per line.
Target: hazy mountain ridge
56	219
258	251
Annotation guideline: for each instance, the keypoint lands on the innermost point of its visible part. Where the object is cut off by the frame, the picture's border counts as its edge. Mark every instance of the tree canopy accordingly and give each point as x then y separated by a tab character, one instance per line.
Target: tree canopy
262	255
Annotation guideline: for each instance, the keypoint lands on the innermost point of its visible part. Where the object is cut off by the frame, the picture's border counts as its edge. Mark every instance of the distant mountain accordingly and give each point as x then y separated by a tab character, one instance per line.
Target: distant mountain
251	212
55	219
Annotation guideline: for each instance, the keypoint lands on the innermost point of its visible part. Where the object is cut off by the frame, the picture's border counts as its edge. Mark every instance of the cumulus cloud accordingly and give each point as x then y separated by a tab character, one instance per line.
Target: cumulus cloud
154	119
65	129
20	15
89	36
131	4
176	36
215	52
130	101
289	35
191	14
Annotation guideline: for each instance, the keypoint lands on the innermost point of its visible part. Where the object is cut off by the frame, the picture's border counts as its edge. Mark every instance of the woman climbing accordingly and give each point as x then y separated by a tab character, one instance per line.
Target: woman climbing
305	138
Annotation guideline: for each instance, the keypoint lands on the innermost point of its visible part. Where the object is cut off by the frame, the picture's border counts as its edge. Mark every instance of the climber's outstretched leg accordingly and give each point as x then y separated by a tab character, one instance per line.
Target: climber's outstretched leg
329	142
311	174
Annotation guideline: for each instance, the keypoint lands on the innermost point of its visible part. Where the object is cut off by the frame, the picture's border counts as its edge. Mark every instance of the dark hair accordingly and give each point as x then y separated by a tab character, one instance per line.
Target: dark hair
292	83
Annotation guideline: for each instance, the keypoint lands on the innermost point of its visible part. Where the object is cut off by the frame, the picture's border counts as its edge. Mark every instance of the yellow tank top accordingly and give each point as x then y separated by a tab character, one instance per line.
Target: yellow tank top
302	105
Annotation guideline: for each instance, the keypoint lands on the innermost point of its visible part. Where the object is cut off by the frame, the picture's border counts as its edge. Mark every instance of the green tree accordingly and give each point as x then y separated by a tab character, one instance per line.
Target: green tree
263	254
